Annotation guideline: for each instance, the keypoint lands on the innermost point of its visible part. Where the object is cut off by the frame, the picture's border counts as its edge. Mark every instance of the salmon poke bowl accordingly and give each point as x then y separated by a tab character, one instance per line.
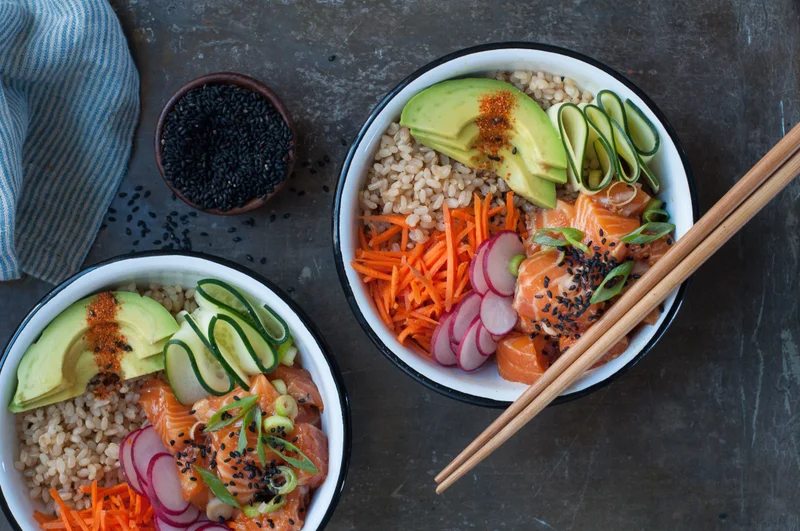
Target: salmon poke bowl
171	392
495	204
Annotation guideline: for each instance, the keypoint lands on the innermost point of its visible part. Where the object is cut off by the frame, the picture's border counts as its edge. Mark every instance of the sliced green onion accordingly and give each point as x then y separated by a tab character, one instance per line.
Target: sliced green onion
572	237
217	486
649	232
289	481
513	265
277	425
271	506
654	211
286	406
216	421
282	447
288	356
262	454
248	419
280	386
605	292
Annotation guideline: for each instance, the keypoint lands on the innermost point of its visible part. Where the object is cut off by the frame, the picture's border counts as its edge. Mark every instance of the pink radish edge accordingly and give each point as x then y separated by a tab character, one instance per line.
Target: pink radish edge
498	314
126	462
465	312
487	345
146	445
503	247
165	486
441	347
476	277
469	357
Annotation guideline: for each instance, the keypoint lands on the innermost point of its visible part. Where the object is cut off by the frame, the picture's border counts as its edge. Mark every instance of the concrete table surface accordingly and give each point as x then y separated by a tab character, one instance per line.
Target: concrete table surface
704	433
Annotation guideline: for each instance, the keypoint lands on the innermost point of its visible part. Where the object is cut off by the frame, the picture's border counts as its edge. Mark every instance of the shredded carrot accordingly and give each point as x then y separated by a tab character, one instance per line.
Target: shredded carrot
393	219
385	236
413	288
126	515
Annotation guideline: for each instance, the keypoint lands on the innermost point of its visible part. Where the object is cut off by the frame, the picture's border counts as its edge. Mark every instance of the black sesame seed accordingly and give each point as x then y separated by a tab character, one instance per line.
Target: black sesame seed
237	239
332	58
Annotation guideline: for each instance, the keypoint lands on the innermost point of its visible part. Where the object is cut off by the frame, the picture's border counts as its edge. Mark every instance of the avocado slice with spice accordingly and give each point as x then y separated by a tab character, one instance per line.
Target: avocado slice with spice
122	330
447	108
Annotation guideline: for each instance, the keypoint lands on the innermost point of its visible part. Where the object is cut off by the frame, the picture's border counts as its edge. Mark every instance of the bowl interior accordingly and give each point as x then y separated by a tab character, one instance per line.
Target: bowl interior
184	270
486	385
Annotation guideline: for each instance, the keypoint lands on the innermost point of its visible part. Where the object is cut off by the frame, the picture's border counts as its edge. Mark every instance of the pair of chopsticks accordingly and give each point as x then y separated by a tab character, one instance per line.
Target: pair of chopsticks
757	188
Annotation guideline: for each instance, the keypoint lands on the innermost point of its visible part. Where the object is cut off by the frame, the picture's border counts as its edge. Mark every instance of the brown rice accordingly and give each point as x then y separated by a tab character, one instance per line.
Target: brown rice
69	444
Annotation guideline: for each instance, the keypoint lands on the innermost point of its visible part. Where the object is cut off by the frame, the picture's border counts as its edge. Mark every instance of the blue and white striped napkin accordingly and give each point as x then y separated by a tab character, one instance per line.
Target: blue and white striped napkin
69	105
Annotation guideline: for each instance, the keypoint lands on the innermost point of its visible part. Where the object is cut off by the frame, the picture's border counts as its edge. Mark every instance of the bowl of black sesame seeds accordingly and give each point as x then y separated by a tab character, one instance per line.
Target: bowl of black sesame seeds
225	143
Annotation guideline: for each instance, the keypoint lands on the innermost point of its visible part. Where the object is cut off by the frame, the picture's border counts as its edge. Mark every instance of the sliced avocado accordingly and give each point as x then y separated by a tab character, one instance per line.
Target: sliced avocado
464	141
536	167
471	157
47	366
538	191
446	108
85	368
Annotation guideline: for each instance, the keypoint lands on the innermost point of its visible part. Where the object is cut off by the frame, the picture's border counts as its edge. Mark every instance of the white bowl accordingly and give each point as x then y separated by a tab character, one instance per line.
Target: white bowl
485	386
186	269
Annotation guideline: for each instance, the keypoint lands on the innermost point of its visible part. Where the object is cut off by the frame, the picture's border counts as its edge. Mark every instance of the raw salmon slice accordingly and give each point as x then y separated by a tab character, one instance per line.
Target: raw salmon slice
522	358
299	385
172	421
290	517
314	445
614	352
550	299
650	253
561	216
620	193
602	228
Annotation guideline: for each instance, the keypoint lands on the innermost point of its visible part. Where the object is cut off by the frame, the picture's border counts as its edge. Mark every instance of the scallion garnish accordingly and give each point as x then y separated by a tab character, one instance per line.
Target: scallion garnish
253	511
262	454
289	481
216	422
571	237
280	447
654	211
649	232
217	486
246	421
612	284
513	265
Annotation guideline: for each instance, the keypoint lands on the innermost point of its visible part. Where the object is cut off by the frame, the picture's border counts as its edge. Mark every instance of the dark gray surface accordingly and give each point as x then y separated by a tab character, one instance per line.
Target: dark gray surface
703	434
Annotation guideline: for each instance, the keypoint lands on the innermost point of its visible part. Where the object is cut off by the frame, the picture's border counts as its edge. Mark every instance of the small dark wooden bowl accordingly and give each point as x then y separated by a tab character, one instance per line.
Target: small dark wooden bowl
245	82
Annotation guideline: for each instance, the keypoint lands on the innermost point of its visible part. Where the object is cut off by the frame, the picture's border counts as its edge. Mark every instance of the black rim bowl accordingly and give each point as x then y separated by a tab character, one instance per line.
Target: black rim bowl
340	265
313	330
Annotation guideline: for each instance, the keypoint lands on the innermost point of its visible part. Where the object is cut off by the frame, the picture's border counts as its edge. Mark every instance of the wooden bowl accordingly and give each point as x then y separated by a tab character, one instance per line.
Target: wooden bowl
242	81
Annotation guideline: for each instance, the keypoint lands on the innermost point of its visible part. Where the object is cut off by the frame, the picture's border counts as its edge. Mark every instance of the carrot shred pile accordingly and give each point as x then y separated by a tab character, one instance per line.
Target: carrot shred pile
115	508
413	288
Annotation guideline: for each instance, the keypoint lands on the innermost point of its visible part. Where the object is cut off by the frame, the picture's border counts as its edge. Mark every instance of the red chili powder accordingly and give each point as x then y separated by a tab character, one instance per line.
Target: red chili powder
103	336
494	122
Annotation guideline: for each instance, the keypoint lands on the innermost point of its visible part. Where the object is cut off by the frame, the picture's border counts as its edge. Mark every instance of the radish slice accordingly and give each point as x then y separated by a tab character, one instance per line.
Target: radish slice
441	348
205	525
183	520
476	277
466	311
498	314
469	357
126	462
486	343
165	485
144	448
503	247
161	525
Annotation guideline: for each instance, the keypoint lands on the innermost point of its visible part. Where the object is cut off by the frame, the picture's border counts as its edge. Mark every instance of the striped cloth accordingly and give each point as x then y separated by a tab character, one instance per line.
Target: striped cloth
69	105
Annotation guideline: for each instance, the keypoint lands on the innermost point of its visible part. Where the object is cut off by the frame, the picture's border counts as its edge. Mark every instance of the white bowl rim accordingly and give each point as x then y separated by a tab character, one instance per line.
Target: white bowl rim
337	203
299	312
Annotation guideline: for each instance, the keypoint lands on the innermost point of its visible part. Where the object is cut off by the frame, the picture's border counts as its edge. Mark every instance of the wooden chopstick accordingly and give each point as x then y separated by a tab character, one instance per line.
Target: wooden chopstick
641	290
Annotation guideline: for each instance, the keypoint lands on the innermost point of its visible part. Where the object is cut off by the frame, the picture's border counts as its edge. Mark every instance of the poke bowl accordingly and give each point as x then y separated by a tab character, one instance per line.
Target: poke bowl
188	393
494	203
